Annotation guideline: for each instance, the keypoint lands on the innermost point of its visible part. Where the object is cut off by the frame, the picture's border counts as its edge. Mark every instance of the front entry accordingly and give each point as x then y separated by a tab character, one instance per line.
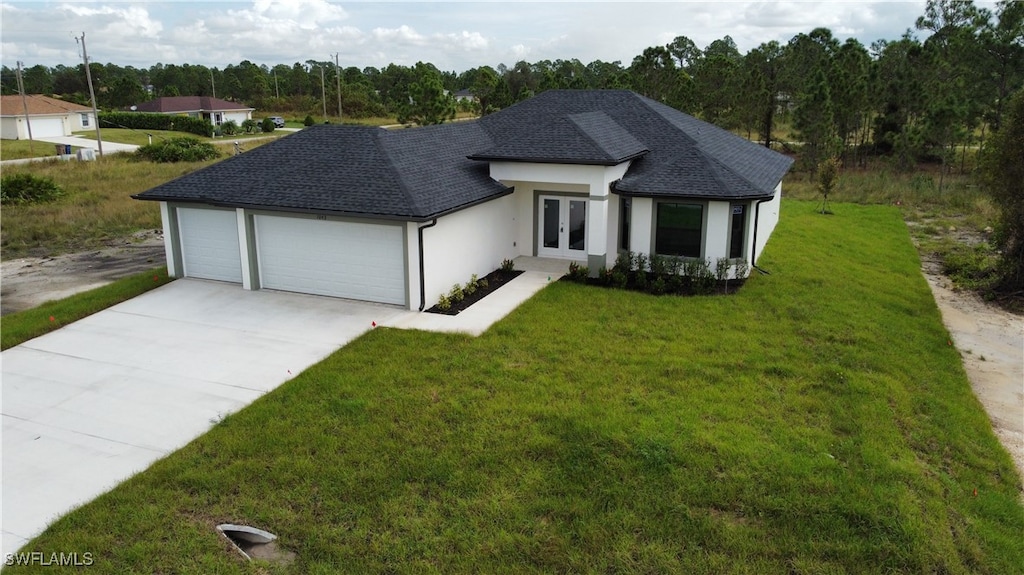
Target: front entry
562	228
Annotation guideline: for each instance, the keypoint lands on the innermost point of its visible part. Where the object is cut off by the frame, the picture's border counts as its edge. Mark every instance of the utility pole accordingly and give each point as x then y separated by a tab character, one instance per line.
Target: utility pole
213	87
24	102
277	93
92	95
323	91
337	72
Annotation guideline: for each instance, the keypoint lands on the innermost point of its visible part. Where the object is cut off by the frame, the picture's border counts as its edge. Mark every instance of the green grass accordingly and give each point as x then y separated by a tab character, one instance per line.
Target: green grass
141	137
819	421
20	149
96	208
17	328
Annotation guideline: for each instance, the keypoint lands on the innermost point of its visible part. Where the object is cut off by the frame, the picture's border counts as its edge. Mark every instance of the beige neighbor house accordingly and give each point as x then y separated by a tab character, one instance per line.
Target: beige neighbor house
48	117
213	110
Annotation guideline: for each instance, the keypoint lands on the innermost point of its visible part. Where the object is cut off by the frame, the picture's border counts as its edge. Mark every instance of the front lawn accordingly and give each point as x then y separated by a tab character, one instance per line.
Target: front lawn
819	421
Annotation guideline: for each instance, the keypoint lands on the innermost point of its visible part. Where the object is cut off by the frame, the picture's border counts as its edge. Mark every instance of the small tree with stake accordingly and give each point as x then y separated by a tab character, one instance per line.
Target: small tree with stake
828	177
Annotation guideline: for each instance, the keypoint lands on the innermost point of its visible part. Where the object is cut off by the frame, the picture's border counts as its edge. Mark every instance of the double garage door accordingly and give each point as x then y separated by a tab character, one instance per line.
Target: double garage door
355	260
47	127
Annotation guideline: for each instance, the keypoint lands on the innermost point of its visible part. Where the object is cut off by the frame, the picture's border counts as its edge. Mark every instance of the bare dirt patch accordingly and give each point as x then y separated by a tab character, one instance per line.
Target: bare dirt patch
27	282
991	343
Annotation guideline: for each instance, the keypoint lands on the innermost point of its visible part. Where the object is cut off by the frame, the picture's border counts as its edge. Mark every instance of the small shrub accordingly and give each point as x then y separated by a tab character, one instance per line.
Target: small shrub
623	262
471	285
250	126
28	189
444	303
178	150
578	273
267	126
703	280
229	128
309	121
456	294
482	283
619	279
659	285
659	265
507	265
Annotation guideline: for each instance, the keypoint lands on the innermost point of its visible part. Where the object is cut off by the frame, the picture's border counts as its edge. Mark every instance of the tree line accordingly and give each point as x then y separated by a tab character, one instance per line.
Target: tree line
911	98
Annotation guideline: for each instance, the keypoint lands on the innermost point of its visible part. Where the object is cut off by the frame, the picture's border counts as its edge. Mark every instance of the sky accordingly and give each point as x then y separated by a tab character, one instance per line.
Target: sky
454	36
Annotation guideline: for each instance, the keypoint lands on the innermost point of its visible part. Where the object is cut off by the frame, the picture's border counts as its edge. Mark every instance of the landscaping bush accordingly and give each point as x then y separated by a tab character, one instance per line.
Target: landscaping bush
309	121
178	150
28	189
250	126
144	121
229	128
267	125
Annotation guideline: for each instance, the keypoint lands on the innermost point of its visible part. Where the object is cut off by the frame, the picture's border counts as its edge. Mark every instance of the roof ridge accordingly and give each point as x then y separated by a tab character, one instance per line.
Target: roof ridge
582	131
396	174
704	155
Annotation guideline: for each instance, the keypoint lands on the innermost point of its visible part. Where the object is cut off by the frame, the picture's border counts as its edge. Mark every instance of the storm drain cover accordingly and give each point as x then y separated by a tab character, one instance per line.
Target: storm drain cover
255	543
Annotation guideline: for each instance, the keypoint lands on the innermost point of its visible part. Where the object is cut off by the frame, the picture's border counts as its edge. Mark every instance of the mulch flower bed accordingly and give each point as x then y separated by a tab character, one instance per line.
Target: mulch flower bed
495	280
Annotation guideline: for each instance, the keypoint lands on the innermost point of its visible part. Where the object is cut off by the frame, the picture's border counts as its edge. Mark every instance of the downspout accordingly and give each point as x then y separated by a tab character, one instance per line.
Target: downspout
423	284
757	216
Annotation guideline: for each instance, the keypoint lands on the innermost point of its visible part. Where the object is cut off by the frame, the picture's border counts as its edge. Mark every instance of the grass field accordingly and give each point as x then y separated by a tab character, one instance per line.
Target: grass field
819	421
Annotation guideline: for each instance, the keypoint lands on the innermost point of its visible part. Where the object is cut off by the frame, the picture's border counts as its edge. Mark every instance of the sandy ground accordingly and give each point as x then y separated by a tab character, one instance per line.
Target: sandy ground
991	343
991	340
28	282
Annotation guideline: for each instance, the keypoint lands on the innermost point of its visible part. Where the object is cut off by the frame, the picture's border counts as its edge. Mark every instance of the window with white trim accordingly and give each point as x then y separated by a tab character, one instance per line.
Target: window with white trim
85	120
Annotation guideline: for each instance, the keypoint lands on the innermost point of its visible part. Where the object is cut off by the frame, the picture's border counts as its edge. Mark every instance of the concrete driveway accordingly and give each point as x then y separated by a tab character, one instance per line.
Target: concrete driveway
88	405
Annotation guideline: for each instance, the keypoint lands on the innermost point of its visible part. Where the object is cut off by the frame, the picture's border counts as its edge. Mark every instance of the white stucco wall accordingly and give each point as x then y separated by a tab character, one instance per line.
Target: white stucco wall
9	128
591	182
238	117
467	242
767	218
76	121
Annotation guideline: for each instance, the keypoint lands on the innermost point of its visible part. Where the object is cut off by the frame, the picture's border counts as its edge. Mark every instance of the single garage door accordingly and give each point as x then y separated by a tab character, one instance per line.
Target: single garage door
47	127
209	244
354	260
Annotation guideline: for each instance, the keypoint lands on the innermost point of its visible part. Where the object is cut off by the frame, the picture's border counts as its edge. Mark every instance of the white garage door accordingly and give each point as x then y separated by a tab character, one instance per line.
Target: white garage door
341	259
209	244
47	127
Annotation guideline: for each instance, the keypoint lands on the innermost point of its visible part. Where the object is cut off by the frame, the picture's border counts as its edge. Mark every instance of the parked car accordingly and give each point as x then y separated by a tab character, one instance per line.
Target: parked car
278	121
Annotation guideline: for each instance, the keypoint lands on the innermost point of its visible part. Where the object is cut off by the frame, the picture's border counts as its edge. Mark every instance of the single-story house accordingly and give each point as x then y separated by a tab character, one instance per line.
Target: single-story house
399	216
213	110
47	117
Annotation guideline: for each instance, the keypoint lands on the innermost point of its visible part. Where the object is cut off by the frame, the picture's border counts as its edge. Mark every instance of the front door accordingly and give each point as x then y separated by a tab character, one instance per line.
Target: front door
562	228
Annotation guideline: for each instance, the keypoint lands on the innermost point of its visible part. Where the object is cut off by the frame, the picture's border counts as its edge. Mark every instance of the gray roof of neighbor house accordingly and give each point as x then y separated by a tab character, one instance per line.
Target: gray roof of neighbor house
179	104
422	173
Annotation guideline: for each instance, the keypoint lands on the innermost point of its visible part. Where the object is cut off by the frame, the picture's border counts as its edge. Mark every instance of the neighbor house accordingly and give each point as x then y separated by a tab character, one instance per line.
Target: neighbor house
400	216
213	110
47	117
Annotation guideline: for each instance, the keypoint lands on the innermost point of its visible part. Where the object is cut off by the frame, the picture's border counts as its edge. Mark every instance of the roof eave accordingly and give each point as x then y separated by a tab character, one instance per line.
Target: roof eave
568	161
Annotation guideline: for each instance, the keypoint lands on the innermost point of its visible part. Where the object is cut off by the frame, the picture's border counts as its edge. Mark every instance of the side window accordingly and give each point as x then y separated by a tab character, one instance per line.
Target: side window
737	230
85	120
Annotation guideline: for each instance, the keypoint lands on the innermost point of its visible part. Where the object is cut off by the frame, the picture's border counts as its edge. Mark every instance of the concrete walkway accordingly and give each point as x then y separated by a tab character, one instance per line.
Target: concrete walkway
87	406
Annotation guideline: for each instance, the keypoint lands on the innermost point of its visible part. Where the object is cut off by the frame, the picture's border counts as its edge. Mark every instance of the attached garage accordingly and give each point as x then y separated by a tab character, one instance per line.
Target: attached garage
347	259
47	127
209	244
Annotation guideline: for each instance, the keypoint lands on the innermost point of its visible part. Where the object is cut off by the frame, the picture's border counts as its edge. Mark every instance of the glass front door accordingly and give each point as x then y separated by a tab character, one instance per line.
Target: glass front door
562	227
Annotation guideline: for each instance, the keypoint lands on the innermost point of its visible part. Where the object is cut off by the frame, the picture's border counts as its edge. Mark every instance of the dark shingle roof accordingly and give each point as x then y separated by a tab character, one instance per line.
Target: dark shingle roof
421	173
584	138
407	174
687	157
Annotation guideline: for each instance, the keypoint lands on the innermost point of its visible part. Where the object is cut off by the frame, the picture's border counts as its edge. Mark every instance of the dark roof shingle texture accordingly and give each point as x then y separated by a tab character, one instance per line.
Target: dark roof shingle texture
421	173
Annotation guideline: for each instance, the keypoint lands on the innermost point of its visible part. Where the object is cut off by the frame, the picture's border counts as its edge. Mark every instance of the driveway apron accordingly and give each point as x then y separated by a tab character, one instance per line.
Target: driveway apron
90	404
